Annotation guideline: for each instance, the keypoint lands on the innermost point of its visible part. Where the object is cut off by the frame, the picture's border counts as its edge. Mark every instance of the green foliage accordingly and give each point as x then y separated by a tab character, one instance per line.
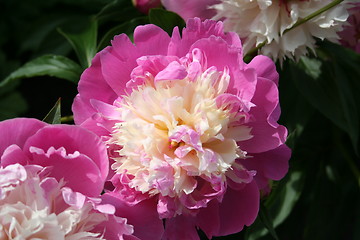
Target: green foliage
331	86
319	96
165	19
84	43
51	65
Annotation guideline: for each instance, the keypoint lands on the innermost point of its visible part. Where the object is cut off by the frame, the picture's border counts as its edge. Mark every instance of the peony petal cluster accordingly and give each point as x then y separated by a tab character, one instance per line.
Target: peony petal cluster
36	206
350	36
51	177
191	129
75	155
257	21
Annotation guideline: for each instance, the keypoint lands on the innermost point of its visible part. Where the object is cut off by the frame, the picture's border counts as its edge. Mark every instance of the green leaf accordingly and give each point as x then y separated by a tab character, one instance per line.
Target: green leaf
284	197
267	221
346	74
165	19
332	87
54	115
127	28
48	65
84	43
278	205
119	11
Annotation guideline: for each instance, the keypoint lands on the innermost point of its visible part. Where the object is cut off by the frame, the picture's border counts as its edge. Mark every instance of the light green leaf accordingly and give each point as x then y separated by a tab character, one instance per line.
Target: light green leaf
54	115
284	196
47	65
84	43
279	205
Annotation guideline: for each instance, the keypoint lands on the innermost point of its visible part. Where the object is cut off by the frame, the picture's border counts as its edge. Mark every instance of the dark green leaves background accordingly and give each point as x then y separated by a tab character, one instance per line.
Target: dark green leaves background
45	46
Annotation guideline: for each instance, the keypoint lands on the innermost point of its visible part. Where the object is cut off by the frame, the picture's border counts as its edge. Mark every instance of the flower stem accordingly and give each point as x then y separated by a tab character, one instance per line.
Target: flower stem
67	119
252	52
314	14
353	167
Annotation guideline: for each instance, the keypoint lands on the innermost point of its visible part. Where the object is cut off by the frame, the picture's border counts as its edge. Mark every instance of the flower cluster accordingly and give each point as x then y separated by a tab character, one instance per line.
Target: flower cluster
269	22
174	134
188	128
51	178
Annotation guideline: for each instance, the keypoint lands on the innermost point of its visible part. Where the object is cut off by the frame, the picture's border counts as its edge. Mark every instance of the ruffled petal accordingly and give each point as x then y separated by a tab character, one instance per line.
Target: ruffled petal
143	216
17	131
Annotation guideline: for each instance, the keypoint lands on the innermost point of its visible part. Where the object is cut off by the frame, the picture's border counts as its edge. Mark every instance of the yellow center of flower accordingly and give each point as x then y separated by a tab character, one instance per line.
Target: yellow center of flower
174	131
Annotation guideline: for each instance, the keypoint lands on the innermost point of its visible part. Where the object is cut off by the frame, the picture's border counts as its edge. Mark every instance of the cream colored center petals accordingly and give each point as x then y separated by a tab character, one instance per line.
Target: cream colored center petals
174	131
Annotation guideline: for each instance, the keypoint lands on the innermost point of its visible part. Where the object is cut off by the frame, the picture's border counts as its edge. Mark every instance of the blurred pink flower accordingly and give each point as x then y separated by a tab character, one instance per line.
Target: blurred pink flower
191	128
190	9
145	5
267	20
350	36
75	155
36	206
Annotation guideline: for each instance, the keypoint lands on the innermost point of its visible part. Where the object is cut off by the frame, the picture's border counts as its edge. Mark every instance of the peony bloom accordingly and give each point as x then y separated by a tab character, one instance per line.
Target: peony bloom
75	155
191	129
267	20
350	36
59	187
145	5
35	206
190	9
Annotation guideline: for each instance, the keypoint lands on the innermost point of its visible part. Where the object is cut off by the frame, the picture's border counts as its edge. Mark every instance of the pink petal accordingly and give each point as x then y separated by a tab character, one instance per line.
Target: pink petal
82	109
72	138
238	208
267	133
17	131
78	171
179	228
174	71
189	9
72	198
264	68
208	219
269	165
196	30
143	216
265	137
151	40
13	154
92	84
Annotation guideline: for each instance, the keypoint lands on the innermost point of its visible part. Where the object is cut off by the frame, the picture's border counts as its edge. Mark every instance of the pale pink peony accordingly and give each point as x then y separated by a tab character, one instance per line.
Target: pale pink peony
257	21
350	36
35	206
145	5
191	128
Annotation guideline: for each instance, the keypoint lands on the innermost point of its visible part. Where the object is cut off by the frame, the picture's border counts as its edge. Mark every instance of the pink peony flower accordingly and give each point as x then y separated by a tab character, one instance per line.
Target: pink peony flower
145	5
192	130
267	20
75	155
35	206
350	36
190	9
